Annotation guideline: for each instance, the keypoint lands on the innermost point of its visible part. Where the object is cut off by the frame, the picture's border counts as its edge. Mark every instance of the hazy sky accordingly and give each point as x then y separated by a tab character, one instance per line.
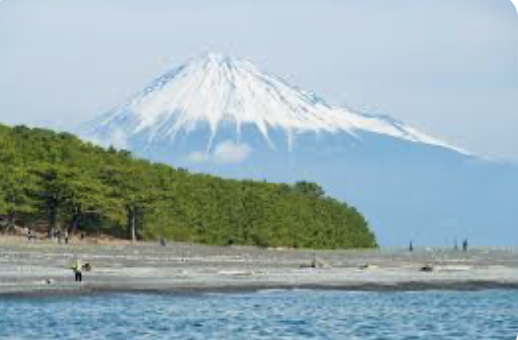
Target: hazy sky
448	67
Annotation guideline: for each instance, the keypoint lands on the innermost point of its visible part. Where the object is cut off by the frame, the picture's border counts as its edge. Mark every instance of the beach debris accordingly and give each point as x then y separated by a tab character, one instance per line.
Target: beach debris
427	268
316	263
368	266
237	272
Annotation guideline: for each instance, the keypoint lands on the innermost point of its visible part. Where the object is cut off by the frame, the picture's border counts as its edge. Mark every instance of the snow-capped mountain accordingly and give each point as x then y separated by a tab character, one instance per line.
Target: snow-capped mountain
224	116
216	90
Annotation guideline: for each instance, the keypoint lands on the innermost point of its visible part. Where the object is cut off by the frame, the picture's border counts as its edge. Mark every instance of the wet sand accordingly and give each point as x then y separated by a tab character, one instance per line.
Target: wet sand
43	267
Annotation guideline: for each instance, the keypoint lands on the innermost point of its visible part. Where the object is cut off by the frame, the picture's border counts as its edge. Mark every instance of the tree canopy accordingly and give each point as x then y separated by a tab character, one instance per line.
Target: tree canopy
54	180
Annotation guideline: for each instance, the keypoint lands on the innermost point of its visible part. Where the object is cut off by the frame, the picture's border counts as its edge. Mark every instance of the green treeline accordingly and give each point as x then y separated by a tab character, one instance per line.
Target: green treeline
54	180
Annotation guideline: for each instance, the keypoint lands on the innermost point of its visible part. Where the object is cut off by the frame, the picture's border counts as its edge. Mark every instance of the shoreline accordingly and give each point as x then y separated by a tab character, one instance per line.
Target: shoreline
42	269
97	290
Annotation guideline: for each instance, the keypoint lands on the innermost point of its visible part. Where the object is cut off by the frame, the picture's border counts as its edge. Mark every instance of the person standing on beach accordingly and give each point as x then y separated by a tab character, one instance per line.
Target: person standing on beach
59	236
77	268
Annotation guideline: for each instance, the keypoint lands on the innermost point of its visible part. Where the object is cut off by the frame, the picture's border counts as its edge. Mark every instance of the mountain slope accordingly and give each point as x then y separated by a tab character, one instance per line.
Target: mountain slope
223	116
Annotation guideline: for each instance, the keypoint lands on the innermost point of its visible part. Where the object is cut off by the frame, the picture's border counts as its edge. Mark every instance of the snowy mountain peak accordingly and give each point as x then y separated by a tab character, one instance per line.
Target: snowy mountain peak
215	89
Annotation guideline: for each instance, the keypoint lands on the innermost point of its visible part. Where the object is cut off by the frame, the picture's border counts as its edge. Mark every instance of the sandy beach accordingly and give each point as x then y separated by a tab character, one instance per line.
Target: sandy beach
43	267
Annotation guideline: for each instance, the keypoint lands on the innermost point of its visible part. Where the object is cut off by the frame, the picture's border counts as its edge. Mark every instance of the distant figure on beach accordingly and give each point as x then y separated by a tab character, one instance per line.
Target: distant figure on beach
411	247
59	236
77	268
29	234
465	245
66	236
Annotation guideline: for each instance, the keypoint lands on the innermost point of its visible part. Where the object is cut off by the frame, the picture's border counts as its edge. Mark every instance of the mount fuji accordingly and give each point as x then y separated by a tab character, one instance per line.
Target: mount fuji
224	116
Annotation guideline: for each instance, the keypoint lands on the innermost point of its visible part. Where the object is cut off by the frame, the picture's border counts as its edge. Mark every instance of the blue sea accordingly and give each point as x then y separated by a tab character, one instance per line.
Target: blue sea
272	314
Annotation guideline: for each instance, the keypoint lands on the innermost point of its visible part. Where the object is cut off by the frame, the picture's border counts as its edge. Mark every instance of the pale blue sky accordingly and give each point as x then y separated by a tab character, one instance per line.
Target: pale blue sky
448	67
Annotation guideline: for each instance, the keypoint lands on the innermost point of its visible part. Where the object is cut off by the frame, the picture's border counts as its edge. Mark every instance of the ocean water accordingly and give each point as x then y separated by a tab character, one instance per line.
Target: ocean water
273	314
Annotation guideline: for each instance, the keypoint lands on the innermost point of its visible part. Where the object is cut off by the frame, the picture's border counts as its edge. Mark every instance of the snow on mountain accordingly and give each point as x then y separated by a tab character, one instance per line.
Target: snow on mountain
216	89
